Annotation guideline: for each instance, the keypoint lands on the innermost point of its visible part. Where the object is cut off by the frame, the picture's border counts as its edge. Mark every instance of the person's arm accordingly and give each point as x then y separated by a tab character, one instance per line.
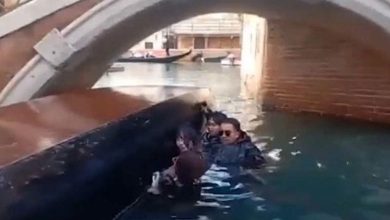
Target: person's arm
253	157
168	175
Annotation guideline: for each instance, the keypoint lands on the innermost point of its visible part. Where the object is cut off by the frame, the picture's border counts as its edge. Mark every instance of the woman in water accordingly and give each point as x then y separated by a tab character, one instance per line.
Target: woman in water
211	138
186	168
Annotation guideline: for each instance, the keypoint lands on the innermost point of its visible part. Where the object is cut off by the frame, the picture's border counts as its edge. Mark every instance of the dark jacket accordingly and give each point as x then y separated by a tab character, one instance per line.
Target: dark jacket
210	146
208	140
243	153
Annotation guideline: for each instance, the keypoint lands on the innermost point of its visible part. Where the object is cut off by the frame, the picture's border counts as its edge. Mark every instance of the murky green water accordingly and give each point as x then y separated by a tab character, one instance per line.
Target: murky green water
319	168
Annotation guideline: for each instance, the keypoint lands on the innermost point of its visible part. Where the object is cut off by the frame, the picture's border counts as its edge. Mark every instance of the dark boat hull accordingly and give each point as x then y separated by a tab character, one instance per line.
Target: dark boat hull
169	59
198	58
95	174
214	59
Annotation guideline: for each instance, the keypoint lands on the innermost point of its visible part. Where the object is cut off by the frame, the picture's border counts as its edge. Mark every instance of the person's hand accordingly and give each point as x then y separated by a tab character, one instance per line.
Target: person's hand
167	180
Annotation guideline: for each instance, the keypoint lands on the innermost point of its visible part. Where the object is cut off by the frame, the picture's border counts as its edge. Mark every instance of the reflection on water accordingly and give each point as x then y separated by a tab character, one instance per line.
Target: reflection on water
318	168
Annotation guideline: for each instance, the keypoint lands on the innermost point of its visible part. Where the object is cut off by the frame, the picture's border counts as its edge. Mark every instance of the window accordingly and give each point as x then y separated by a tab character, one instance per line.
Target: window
199	42
148	45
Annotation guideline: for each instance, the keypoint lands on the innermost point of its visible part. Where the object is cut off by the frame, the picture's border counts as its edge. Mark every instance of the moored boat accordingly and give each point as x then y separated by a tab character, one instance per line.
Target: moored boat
230	62
168	59
199	58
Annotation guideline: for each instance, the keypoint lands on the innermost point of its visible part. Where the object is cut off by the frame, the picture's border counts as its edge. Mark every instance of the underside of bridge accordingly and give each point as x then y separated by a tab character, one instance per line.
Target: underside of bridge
324	56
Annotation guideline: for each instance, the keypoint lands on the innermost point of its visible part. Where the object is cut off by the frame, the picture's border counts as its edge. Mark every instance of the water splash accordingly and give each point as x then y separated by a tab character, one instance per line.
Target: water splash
295	153
211	205
275	154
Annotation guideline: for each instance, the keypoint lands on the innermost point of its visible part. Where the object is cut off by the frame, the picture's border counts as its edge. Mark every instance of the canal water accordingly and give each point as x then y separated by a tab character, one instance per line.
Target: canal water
318	168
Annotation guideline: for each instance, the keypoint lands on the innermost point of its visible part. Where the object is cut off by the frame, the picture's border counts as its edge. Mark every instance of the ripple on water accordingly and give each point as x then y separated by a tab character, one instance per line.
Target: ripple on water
320	216
226	197
374	215
211	205
377	196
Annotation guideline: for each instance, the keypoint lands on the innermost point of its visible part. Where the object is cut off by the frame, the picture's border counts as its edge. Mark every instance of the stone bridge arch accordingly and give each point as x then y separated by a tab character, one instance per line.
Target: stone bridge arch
339	41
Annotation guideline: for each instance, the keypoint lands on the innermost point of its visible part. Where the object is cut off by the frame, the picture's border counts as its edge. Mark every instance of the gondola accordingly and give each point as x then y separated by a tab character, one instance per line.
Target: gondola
168	59
91	147
230	62
214	59
199	58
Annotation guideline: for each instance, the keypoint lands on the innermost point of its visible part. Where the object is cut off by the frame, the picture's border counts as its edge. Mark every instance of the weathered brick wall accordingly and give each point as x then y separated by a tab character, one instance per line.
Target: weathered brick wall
311	70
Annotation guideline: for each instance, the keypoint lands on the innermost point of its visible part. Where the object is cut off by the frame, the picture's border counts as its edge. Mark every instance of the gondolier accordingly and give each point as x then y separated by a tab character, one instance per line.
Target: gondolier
166	41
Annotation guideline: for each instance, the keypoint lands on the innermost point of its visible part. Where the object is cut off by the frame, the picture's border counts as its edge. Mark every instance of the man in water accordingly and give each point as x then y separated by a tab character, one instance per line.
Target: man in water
237	147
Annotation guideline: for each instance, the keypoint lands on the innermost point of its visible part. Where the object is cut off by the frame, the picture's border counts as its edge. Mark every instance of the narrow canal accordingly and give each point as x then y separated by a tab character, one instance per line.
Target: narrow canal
319	168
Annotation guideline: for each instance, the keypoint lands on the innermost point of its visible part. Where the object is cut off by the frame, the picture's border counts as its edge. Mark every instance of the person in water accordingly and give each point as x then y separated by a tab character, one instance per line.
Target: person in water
237	147
211	137
186	168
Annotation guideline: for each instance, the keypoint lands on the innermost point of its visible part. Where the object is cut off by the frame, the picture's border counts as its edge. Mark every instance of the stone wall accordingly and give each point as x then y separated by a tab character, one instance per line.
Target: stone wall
252	53
213	42
223	42
185	42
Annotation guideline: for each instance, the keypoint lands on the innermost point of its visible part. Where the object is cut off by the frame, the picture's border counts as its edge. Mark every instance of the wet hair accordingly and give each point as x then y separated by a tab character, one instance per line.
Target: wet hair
236	124
189	166
217	117
189	135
